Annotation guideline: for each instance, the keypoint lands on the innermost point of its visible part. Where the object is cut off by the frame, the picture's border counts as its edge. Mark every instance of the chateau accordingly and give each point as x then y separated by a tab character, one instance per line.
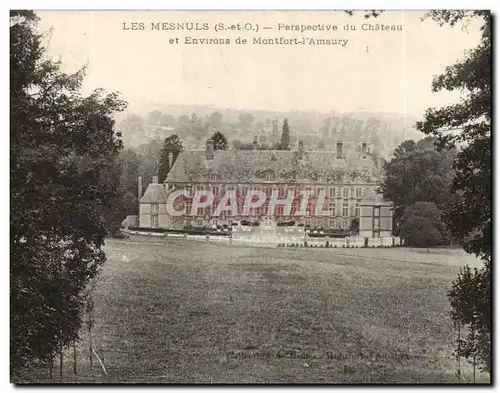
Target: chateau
343	181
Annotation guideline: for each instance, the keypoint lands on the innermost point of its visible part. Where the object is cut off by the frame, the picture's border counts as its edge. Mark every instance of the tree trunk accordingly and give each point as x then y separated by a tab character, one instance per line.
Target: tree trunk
51	365
60	365
90	347
74	357
458	356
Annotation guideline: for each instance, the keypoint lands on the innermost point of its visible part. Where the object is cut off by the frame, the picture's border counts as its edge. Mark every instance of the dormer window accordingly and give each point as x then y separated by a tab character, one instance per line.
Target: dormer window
339	150
269	176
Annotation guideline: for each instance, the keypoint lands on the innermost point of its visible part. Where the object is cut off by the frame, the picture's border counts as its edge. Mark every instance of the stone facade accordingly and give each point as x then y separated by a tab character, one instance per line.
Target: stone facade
349	176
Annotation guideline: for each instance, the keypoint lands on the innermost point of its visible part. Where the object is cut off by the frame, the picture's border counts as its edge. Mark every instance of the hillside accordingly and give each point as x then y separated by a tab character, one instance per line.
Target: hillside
318	131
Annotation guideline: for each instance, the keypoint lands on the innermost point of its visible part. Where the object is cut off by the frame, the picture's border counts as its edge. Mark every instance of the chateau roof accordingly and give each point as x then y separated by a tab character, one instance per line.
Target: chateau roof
250	166
155	193
374	199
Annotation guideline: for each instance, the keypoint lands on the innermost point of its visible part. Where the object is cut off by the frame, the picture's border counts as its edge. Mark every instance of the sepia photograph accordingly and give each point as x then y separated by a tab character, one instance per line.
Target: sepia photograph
250	197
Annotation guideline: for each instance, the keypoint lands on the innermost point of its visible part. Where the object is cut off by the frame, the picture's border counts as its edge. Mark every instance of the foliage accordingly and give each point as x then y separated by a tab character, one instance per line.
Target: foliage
149	154
285	136
470	299
220	141
418	172
216	120
422	226
468	125
354	228
62	146
172	146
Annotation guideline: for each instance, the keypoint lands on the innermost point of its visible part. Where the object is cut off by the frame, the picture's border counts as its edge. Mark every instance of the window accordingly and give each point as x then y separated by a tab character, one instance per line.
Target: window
200	223
188	208
345	224
281	192
269	190
320	190
309	208
295	208
280	210
345	209
332	224
376	211
332	192
356	209
208	211
154	221
243	191
339	150
229	222
314	223
332	209
214	222
189	190
215	190
269	176
345	192
359	193
154	208
229	188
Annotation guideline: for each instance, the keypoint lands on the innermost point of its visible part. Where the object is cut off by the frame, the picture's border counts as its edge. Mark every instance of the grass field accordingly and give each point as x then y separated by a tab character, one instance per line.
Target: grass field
190	312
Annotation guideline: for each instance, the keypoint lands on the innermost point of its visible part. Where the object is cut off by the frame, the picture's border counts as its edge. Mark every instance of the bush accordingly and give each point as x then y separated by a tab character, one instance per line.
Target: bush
422	226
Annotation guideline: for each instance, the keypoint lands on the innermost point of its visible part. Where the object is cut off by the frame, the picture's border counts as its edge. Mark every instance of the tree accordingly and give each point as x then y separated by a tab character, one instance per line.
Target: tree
172	146
149	154
468	124
422	226
216	120
61	146
167	120
132	129
154	118
129	164
285	136
418	172
220	141
246	120
470	307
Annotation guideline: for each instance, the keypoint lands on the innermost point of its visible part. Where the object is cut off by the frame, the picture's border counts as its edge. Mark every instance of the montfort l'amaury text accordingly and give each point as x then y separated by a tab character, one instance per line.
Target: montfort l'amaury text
280	41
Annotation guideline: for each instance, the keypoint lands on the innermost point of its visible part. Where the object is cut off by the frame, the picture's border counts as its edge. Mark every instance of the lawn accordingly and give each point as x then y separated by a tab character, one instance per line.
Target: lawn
191	312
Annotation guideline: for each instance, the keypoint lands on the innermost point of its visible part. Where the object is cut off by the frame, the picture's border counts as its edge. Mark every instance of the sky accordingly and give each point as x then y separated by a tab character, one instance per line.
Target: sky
376	71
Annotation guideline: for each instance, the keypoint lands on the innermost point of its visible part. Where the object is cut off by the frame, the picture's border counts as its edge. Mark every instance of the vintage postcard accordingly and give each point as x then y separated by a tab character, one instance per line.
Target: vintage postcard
259	197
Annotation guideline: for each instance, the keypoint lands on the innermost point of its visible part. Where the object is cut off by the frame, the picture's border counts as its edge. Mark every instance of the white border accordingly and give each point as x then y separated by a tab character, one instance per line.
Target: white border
176	4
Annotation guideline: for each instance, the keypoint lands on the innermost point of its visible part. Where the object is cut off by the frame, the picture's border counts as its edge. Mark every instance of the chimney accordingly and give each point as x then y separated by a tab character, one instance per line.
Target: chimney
155	180
339	150
210	149
364	149
255	143
139	187
301	150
